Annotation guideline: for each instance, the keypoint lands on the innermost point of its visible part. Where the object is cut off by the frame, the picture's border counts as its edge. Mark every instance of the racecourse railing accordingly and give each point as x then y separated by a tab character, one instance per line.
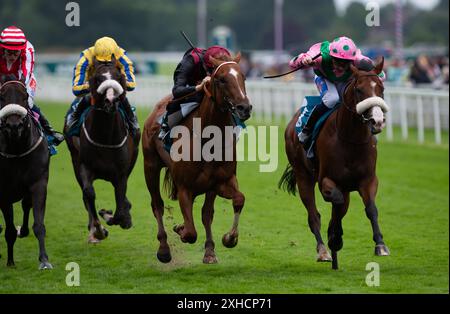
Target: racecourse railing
419	108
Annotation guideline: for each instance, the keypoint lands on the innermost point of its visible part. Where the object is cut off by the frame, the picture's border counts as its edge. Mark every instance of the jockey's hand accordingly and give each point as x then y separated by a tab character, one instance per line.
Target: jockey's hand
199	87
307	60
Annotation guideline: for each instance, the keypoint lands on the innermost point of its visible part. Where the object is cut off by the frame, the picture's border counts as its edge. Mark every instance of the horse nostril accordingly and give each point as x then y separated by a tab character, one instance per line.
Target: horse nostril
240	107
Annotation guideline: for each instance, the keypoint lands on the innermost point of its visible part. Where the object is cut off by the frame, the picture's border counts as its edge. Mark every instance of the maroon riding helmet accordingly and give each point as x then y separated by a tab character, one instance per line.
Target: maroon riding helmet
215	52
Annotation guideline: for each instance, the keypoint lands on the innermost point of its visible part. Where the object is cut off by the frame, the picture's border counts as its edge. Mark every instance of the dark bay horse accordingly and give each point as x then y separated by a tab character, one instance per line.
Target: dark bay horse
24	166
105	149
345	161
190	177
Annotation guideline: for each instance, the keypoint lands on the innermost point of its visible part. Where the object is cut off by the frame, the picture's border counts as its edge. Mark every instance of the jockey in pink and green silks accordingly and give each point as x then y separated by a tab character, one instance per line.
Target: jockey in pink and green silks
332	73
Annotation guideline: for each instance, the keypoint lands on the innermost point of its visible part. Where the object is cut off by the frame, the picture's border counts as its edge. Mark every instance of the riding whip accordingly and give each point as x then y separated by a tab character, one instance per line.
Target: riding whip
292	71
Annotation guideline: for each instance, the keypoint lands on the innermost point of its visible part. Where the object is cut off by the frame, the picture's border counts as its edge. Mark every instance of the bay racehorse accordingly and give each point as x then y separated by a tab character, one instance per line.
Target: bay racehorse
24	166
188	178
105	148
346	155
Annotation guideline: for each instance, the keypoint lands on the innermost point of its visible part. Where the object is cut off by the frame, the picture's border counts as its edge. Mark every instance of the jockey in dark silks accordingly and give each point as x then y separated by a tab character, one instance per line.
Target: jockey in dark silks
191	74
103	51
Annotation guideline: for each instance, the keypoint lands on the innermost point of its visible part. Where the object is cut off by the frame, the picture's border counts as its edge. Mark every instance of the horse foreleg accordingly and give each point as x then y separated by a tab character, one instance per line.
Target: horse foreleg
187	232
39	196
368	193
230	191
23	231
10	233
96	230
207	219
306	190
335	231
122	215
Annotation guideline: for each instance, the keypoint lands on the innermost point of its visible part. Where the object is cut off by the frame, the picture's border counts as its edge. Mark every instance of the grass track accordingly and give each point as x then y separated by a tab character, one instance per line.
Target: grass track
276	250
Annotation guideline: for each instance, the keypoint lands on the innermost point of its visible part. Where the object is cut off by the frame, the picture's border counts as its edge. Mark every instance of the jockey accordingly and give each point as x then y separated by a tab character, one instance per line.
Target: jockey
332	74
17	58
103	51
191	74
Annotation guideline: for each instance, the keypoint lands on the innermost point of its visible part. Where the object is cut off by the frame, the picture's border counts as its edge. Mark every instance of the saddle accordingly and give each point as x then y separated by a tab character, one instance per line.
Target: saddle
305	111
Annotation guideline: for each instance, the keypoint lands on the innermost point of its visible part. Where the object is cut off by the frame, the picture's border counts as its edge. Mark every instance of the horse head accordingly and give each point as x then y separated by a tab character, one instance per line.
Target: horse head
107	85
227	87
13	106
364	95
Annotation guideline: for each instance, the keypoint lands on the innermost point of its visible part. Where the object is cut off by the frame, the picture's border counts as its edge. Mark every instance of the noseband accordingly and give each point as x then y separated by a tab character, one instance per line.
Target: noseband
356	97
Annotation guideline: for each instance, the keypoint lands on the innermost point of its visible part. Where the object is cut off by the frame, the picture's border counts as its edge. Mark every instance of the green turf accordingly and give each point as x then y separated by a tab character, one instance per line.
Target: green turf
276	250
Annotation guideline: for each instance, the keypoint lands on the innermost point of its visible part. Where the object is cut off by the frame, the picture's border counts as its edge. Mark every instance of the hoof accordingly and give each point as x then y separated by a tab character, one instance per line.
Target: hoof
382	250
107	215
125	222
209	259
93	240
45	265
164	257
323	255
229	241
10	264
178	228
22	232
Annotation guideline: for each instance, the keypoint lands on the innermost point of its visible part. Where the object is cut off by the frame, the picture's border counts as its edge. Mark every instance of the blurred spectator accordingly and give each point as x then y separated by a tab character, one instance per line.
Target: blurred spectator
422	72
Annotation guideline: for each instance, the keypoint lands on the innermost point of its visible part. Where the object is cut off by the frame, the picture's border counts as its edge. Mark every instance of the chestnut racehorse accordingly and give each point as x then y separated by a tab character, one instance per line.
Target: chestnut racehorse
225	94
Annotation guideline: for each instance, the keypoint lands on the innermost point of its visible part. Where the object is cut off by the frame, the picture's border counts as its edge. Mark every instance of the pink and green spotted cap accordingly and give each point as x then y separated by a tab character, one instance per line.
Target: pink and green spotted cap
343	48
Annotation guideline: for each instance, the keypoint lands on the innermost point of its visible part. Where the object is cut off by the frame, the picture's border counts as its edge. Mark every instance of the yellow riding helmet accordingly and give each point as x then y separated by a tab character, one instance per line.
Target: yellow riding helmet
104	48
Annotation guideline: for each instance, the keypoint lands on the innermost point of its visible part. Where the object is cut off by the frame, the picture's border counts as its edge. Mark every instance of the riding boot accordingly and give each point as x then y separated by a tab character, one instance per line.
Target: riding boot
131	116
73	118
165	129
48	129
317	112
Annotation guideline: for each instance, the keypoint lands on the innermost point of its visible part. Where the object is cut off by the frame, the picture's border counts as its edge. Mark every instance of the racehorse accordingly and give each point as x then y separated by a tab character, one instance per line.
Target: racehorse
24	166
105	149
225	95
345	161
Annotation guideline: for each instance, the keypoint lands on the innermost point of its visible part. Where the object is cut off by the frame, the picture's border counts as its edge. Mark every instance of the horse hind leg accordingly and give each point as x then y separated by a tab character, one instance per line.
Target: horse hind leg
306	190
122	216
152	173
187	231
23	231
207	219
231	191
335	232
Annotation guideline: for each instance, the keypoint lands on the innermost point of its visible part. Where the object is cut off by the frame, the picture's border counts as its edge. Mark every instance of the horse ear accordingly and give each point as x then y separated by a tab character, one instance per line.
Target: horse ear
214	61
380	65
354	69
237	59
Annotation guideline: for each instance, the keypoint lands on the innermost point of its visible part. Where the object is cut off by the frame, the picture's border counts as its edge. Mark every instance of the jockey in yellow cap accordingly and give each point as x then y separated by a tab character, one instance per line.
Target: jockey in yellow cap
103	50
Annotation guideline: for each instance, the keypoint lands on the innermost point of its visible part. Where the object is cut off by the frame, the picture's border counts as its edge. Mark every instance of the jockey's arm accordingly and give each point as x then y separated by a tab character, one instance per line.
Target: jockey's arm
128	70
181	78
80	82
298	61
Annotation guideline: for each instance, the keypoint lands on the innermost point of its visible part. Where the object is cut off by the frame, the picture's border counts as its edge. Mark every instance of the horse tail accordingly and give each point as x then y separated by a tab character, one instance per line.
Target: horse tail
287	181
169	186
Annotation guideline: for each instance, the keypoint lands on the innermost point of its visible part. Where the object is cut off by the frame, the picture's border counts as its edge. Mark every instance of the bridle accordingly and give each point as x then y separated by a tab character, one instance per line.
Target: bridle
356	97
231	107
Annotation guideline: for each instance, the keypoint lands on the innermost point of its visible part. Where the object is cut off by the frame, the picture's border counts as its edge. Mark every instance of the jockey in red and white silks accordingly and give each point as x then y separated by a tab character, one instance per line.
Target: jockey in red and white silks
17	59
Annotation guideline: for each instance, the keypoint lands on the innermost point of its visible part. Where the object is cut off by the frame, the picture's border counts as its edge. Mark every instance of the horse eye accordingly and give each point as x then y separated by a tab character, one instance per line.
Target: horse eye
222	80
